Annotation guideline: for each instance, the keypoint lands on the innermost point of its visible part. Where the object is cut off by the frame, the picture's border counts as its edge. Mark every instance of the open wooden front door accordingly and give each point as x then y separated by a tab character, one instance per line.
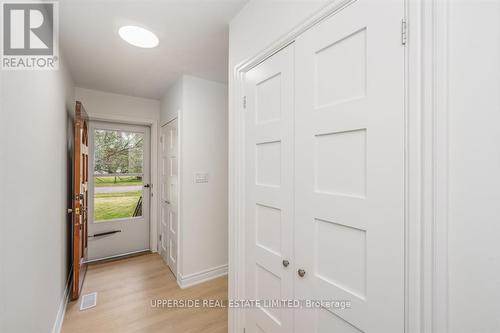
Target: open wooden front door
80	199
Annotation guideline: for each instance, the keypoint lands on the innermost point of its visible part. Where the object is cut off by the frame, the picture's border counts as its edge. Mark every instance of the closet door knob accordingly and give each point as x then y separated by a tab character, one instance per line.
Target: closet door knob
301	272
286	263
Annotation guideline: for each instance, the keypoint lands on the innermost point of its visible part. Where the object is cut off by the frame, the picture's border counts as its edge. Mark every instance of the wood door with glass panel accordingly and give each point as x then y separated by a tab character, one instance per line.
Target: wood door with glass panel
120	188
80	199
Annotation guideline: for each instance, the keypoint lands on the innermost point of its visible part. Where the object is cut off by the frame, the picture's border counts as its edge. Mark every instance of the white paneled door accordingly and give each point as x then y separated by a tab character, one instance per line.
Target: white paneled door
325	159
349	170
269	215
169	177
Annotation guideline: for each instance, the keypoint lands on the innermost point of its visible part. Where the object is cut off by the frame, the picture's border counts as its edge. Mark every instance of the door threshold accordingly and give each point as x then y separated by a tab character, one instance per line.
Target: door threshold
119	256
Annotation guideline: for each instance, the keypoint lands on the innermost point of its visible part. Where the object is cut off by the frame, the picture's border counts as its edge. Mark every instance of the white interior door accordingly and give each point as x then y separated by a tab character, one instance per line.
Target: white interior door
269	170
349	163
119	186
169	180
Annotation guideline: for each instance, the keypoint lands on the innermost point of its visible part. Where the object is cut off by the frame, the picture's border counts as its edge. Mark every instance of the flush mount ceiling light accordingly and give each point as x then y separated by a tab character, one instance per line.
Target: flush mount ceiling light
138	36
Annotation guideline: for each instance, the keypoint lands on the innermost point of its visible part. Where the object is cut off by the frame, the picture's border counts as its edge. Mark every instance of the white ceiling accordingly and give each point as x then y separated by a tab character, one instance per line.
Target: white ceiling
193	40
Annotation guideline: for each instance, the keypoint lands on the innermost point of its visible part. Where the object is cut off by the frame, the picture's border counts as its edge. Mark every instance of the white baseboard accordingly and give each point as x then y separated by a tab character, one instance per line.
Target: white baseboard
203	276
62	306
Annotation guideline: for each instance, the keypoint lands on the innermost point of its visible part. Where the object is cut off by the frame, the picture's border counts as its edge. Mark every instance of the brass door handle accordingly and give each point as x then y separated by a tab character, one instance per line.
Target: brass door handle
301	272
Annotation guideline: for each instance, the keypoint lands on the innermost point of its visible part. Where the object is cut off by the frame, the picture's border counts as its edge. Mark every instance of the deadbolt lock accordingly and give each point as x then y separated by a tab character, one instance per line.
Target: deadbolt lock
286	263
301	272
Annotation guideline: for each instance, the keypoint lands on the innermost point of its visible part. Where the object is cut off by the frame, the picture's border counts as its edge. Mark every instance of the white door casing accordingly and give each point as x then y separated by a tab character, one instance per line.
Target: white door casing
269	184
134	235
349	162
169	183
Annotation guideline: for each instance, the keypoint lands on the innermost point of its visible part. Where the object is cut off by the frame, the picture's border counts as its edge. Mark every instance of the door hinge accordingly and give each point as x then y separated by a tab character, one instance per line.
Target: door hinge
404	32
244	102
160	237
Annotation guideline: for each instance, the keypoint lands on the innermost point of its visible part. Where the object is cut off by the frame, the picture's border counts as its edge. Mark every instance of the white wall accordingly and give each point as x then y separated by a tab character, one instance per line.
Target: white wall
99	102
34	227
474	166
204	150
203	137
171	103
260	23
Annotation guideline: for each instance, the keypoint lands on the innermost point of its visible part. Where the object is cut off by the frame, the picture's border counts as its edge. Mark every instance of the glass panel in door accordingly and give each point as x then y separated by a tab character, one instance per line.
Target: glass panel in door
118	174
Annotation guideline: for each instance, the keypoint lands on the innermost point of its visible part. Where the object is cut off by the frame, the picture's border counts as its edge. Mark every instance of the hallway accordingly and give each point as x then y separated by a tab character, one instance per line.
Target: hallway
250	166
125	289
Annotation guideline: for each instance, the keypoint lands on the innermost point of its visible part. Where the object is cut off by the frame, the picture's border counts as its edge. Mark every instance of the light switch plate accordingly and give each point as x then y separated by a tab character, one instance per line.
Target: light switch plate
201	178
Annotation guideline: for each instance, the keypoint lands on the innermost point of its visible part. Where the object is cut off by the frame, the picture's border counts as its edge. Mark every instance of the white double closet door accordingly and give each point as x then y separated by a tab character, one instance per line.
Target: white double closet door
325	138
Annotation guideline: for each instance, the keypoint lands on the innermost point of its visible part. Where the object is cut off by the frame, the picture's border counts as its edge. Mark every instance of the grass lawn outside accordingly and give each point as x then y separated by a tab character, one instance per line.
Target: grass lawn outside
108	181
108	206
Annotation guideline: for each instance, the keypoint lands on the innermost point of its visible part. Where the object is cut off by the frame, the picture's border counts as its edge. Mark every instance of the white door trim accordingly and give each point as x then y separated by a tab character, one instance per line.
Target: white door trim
427	189
153	124
426	171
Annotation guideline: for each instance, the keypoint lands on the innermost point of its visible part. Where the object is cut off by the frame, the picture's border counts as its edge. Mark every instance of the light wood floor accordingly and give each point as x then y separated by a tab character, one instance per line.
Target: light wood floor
125	289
